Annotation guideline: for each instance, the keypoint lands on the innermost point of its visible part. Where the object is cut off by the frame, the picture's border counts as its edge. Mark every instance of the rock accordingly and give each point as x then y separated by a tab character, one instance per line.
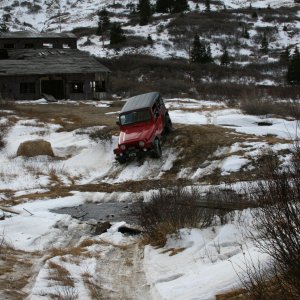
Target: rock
125	229
34	148
101	227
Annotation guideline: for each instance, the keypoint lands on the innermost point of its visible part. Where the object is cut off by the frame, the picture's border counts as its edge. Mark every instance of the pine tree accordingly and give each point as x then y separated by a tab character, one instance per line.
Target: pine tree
199	54
254	15
208	56
264	48
293	73
207	6
144	12
149	39
225	59
197	50
179	6
164	6
3	26
245	33
103	23
285	55
116	34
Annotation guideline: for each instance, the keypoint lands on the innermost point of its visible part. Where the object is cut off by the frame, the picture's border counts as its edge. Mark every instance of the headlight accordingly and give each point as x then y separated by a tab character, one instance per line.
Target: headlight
123	147
141	144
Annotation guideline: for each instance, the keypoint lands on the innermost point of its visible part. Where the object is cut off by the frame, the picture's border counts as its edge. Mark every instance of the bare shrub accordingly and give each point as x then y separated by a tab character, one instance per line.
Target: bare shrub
277	227
132	41
264	107
4	244
169	210
3	130
103	135
173	77
84	31
6	104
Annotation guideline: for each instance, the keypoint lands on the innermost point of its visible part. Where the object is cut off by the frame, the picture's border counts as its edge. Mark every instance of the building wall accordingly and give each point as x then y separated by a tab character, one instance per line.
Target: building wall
38	43
10	86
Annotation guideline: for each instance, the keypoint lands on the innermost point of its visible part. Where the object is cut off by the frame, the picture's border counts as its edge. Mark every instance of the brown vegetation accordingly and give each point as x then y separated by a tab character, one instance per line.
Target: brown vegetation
276	232
168	210
70	116
15	270
266	107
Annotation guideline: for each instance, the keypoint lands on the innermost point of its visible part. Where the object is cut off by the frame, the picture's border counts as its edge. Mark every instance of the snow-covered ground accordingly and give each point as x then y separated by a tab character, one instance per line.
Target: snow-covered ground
207	262
112	264
66	15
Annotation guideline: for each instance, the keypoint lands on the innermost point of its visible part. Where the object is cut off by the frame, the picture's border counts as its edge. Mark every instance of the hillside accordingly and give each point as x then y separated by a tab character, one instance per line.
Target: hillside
216	217
171	38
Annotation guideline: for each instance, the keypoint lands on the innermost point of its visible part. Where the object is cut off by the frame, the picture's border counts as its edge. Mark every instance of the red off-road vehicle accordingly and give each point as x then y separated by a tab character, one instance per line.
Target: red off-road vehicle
143	121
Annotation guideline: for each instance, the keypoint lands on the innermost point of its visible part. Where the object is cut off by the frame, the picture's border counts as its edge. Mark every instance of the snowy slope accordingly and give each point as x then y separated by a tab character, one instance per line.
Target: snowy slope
65	15
258	3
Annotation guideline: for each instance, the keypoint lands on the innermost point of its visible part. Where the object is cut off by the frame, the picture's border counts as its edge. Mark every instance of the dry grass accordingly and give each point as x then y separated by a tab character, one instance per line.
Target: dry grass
94	289
264	107
173	251
233	295
15	271
73	251
60	274
196	144
70	116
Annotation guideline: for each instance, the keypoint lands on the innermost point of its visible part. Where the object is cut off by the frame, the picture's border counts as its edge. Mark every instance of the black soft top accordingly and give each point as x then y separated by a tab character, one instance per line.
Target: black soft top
140	102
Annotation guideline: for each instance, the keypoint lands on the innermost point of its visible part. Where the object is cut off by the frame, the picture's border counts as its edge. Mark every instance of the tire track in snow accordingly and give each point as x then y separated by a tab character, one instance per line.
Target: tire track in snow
121	274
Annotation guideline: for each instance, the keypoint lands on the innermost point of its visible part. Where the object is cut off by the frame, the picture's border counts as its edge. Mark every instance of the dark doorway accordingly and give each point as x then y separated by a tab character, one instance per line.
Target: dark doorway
54	88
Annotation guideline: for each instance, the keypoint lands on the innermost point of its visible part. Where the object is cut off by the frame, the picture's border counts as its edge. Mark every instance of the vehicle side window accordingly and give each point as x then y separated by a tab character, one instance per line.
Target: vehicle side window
155	109
161	102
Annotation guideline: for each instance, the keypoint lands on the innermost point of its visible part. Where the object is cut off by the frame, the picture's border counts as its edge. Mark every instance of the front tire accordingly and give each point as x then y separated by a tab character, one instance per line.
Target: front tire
121	160
157	149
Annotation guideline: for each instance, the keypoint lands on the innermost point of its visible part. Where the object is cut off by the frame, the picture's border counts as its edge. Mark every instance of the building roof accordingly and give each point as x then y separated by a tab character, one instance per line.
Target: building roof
140	102
32	34
49	61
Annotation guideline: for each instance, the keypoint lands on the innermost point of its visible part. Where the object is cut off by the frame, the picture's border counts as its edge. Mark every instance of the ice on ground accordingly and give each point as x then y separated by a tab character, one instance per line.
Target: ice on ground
36	228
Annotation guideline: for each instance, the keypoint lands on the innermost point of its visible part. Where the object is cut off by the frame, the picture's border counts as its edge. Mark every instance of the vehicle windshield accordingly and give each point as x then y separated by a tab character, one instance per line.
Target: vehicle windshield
135	117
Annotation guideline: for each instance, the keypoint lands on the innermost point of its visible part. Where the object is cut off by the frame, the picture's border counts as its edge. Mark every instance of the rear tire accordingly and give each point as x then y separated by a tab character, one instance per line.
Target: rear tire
168	126
157	149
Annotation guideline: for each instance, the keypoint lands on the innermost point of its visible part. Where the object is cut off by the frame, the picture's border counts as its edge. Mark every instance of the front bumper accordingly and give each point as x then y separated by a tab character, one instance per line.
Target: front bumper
131	152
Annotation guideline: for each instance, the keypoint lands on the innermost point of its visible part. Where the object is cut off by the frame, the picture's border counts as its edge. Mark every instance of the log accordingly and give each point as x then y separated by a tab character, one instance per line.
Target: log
7	209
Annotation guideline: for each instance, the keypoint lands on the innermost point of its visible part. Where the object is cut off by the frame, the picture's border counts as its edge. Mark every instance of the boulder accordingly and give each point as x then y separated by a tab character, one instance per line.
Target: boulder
34	148
101	227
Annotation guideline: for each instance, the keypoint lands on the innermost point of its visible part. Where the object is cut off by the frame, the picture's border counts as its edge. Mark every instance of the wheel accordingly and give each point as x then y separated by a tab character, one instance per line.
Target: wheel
120	159
157	149
168	126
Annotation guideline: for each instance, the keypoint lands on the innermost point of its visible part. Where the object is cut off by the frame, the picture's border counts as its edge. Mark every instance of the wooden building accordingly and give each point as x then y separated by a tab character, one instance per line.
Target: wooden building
33	65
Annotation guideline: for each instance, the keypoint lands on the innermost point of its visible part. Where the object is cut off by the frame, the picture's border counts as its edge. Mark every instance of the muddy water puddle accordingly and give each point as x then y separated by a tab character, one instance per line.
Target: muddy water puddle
102	212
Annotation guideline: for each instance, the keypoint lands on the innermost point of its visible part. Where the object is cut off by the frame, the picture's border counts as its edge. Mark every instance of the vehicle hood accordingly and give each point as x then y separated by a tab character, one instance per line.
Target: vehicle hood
136	133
